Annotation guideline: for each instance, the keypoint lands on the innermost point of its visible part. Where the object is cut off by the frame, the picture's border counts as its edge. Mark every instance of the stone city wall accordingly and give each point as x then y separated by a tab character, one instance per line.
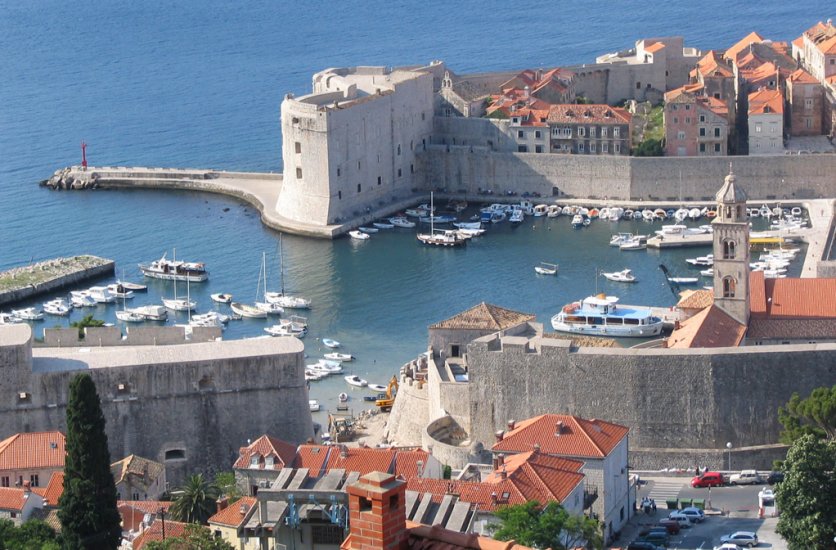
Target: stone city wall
670	399
136	336
760	457
410	413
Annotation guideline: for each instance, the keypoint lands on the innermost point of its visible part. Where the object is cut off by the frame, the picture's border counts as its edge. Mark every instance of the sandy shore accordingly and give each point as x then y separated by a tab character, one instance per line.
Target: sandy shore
370	428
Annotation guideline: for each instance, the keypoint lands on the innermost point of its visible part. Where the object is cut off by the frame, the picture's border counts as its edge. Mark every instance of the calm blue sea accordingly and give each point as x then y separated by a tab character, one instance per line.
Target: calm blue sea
199	84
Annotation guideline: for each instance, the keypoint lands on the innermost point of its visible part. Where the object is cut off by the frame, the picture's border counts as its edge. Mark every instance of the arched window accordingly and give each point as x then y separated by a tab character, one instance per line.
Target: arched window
728	287
728	249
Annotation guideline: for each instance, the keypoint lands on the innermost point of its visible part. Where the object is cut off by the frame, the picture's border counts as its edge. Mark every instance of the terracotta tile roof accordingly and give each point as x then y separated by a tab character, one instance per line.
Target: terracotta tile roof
234	514
484	316
792	329
799	42
766	101
283	453
485	496
54	489
764	73
578	437
155	532
803	77
711	65
816	29
134	511
757	293
742	45
827	47
540	477
361	459
799	299
710	328
147	506
655	47
32	451
588	114
147	471
424	537
749	61
12	499
406	463
716	106
695	299
684	94
312	457
823	36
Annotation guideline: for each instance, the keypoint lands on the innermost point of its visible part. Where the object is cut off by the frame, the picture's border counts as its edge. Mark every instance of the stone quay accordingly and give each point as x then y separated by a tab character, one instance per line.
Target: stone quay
25	282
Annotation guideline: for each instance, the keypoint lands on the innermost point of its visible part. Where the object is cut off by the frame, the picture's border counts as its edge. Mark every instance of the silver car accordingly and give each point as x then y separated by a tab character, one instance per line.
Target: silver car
741	538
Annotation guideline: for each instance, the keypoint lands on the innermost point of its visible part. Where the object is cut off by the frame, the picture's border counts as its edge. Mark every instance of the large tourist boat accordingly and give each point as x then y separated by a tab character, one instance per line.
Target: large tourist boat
173	270
601	316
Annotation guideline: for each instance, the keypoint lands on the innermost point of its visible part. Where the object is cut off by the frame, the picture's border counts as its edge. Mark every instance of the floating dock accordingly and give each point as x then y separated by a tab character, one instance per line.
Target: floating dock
25	282
681	241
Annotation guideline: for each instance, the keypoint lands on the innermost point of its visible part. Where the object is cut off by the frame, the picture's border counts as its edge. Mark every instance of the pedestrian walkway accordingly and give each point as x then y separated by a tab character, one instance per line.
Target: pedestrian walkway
660	491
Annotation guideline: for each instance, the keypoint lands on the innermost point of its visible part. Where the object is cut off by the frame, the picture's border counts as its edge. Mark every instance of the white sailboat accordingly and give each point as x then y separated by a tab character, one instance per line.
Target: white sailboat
125	314
179	304
246	310
268	307
447	237
280	298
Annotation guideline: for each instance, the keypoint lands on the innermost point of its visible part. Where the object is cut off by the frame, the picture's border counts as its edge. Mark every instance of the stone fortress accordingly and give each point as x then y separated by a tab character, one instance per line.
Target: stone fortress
718	379
188	406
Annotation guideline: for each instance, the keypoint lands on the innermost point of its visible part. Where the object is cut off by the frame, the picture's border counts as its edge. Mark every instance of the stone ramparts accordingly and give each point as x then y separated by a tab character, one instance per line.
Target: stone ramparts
22	283
135	336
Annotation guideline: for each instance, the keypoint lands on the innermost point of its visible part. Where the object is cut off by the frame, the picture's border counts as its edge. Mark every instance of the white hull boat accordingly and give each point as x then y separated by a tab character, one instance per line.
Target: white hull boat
132	286
212	318
546	269
221	298
314	405
355	380
684	280
400	221
702	261
287	301
8	319
376	387
101	294
152	312
270	308
58	307
120	291
369	230
179	304
128	316
468	225
343	397
623	276
635	244
295	326
358	235
554	211
329	343
246	310
173	270
345	357
383	225
28	314
601	316
81	298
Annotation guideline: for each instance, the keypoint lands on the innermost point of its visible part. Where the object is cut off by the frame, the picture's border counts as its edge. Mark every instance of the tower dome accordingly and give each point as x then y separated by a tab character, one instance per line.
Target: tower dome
730	192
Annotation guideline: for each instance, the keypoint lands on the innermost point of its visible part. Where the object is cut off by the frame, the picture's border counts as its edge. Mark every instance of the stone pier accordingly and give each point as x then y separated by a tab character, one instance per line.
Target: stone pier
25	282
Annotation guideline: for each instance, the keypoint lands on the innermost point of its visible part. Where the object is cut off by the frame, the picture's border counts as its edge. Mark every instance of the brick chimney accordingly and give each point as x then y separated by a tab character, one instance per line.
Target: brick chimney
377	513
499	435
511	424
27	487
498	460
558	428
222	503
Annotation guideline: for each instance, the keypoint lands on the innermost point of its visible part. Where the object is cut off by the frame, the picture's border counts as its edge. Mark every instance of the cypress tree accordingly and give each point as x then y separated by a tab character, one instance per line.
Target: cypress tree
88	513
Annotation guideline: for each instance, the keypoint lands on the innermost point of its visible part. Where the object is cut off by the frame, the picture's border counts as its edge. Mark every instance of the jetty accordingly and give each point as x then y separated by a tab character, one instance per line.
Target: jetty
21	283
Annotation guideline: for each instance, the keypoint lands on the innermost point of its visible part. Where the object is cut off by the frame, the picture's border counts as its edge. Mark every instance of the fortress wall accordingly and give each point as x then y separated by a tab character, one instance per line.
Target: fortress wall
783	177
410	414
207	408
691	399
455	401
15	360
136	336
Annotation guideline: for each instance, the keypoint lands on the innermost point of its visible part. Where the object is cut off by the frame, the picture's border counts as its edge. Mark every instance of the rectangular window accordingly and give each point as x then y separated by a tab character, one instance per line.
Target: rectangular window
298	173
338	172
617	147
4	481
591	147
581	130
411	168
592	131
676	120
603	131
380	180
616	132
680	135
702	147
687	120
298	146
702	132
687	107
605	148
716	132
757	128
716	147
520	134
537	134
358	187
580	147
702	118
538	148
808	104
522	149
638	85
808	122
33	480
399	175
716	95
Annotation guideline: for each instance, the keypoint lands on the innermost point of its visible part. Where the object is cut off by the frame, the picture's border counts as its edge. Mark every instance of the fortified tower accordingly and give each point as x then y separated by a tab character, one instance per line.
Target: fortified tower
731	251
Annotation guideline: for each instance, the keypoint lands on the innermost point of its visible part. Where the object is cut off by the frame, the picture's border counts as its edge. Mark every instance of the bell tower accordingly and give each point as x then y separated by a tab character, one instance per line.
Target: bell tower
731	251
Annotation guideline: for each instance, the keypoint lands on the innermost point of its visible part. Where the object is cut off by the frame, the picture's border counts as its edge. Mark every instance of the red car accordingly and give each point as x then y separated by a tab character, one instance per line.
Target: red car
708	479
671	525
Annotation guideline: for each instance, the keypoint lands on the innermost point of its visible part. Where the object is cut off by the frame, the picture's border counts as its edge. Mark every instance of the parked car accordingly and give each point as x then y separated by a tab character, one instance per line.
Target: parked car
683	520
694	514
746	477
659	538
652	529
741	538
671	525
775	477
708	479
643	545
727	546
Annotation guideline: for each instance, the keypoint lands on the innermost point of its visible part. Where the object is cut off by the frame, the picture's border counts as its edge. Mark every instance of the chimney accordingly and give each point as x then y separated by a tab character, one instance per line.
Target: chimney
27	487
558	429
420	465
503	474
536	448
499	435
377	513
343	451
222	503
498	461
510	425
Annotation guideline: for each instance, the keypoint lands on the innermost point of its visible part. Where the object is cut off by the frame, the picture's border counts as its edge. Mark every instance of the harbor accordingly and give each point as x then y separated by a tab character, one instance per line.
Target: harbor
48	276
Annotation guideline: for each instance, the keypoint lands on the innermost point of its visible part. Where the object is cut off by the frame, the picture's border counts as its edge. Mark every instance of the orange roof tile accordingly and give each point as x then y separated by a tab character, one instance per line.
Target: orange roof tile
424	537
484	316
32	451
312	457
406	463
283	453
578	437
486	496
757	293
816	29
827	47
766	101
144	471
800	298
740	46
361	459
695	299
147	506
155	532
799	42
655	47
540	477
716	106
710	328
711	65
588	114
54	489
234	514
12	499
803	77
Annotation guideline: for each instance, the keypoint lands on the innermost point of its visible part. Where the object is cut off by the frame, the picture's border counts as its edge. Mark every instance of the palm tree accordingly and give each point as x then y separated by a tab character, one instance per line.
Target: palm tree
195	501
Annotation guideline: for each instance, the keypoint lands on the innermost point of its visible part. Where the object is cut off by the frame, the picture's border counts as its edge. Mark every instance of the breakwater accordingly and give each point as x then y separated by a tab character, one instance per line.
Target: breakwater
25	282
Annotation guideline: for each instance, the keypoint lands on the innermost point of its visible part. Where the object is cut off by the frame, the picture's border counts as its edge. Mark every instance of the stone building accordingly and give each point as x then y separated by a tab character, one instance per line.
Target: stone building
766	122
818	51
31	457
695	124
805	98
590	130
17	504
259	463
716	79
350	145
530	130
138	478
553	86
230	519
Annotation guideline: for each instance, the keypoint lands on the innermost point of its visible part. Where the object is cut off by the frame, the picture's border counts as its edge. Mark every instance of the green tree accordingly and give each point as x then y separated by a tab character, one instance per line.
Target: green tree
32	535
814	415
195	501
650	148
225	482
548	527
807	496
87	508
195	538
86	321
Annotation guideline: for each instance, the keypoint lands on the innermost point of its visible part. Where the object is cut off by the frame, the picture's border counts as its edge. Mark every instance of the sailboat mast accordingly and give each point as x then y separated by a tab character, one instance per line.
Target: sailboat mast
281	262
432	214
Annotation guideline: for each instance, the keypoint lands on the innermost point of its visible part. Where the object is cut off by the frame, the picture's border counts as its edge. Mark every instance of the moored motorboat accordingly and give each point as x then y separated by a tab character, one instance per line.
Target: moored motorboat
81	298
400	221
270	308
287	301
313	405
376	387
345	357
601	316
540	210
28	314
58	307
343	397
102	294
621	238
577	221
383	225
136	287
546	269
633	244
120	291
221	298
151	312
369	230
517	216
623	276
295	326
173	270
128	316
246	310
329	343
179	304
702	261
684	280
358	235
554	211
9	319
355	380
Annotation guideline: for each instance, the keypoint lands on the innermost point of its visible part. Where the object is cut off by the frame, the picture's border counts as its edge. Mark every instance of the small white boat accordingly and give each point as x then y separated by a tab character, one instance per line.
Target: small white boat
270	308
554	211
313	405
355	380
358	235
58	307
343	397
221	298
695	213
400	221
8	319
621	238
540	210
287	301
383	225
246	310
517	216
329	343
623	276
416	212
468	225
765	211
101	294
136	287
577	221
129	316
152	312
470	233
313	376
684	280
345	357
179	304
28	314
120	291
702	261
648	215
369	230
680	215
295	326
546	269
81	298
795	211
707	272
331	367
634	244
376	387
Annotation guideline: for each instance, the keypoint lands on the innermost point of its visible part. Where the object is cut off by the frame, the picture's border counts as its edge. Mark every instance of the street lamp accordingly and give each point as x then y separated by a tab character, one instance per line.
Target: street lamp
161	513
729	446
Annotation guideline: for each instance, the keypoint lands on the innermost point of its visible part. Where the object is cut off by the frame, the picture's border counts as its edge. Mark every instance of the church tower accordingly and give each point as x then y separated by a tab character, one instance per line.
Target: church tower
731	251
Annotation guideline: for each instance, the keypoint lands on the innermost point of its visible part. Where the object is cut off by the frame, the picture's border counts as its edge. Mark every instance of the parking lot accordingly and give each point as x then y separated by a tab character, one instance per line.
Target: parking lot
732	509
